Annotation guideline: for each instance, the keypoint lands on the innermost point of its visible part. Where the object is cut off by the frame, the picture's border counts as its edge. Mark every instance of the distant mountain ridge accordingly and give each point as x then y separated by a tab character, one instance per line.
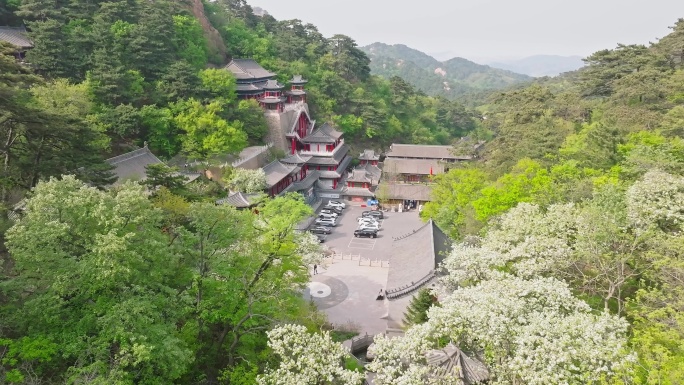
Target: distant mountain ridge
452	78
541	65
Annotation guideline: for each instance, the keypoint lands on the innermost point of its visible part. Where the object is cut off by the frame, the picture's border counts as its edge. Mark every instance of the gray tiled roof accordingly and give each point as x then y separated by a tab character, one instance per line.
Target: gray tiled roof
131	165
424	152
359	175
418	192
240	200
336	157
369	155
337	173
415	256
413	166
359	192
273	84
298	79
273	99
245	87
296	92
323	134
289	119
450	362
373	171
276	171
296	159
310	179
15	36
248	69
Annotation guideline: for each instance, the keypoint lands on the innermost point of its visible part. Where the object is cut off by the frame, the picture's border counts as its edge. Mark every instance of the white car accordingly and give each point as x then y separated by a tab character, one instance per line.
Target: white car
334	214
368	226
367	220
337	204
327	214
329	222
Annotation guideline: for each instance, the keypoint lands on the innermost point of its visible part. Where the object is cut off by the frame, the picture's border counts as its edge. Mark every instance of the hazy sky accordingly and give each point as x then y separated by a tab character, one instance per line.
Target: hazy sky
481	29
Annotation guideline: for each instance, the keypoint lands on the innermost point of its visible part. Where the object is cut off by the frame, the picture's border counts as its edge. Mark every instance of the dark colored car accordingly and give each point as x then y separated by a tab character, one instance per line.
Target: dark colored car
374	214
370	233
320	230
321	237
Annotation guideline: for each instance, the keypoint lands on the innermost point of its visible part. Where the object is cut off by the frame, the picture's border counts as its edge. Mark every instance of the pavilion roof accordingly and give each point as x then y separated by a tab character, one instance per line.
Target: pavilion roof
369	155
323	134
15	36
277	171
273	84
240	200
298	79
359	175
248	69
132	165
450	362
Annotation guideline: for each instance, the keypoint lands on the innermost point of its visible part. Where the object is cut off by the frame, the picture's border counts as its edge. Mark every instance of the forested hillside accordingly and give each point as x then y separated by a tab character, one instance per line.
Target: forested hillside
568	262
584	182
455	78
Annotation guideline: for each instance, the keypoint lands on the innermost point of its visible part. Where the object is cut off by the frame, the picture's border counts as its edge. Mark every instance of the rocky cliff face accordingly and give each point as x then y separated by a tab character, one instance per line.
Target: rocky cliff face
216	45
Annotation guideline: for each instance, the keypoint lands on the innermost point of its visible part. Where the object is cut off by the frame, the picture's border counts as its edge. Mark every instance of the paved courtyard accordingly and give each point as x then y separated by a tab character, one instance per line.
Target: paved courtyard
346	288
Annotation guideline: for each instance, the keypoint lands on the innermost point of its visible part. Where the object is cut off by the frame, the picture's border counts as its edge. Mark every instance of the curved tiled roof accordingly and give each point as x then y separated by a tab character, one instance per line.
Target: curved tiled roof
276	171
240	200
450	362
296	159
273	85
298	79
132	165
248	69
323	134
359	175
369	155
15	36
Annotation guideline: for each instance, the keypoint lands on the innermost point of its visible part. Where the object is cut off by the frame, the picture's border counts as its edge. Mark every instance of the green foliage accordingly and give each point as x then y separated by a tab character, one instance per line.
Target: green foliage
189	41
206	133
416	312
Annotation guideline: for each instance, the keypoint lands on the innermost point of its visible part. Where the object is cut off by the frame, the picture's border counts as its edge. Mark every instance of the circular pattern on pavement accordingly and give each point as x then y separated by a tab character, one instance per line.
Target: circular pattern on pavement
326	292
319	290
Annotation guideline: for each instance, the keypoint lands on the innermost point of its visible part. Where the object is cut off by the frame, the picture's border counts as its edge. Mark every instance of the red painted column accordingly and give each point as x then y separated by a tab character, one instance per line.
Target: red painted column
293	146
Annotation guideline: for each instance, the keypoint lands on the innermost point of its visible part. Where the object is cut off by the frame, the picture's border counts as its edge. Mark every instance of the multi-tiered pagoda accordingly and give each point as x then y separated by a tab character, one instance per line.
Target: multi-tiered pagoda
317	156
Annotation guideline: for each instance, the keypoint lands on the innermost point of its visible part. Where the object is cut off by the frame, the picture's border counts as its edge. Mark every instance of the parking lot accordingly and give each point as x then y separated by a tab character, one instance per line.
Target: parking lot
342	240
353	288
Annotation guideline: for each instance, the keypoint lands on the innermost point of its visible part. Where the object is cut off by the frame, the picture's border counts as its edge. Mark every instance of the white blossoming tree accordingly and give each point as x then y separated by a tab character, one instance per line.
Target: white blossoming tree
529	331
307	359
247	181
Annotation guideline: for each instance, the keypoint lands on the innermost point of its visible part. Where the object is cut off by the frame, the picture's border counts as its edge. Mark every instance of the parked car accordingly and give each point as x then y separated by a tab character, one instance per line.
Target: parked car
375	214
321	237
333	209
320	230
368	221
370	233
331	212
368	226
328	222
326	215
366	233
339	204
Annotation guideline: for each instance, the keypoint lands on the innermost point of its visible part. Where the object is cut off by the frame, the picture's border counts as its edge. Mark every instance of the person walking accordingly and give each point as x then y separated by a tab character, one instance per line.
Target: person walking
315	269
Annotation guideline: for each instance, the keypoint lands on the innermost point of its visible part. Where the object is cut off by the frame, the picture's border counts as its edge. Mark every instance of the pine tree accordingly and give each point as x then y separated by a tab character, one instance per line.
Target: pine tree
416	313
